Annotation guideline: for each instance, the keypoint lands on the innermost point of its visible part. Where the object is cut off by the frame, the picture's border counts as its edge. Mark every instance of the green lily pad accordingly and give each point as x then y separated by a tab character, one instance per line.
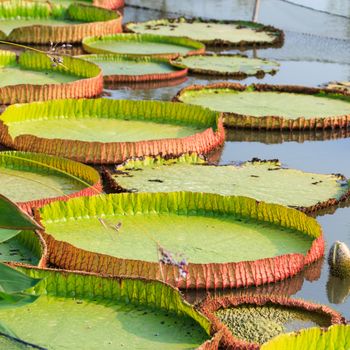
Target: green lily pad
335	337
40	22
271	107
13	218
262	323
24	248
110	131
33	179
108	4
13	281
6	234
227	65
264	180
143	45
33	77
119	234
116	68
105	313
249	321
210	32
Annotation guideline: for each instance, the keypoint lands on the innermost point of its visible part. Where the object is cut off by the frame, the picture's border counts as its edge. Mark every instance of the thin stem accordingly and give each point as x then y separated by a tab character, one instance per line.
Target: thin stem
48	54
21	46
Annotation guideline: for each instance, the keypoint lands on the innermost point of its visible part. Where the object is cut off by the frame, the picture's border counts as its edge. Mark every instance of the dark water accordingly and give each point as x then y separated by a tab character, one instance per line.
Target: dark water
316	51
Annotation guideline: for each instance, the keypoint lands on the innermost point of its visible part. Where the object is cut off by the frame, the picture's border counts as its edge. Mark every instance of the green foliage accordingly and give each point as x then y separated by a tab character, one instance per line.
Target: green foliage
335	338
6	234
11	217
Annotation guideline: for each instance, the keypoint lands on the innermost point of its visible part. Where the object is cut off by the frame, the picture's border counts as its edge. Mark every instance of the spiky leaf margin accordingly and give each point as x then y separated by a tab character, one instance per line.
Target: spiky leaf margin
137	291
200	276
196	159
98	21
89	81
118	78
277	42
229	341
106	4
259	73
241	121
54	165
115	152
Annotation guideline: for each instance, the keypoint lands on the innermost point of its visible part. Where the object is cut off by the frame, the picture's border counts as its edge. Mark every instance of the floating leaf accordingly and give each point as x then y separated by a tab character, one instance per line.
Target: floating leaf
266	181
33	78
228	241
110	131
41	23
105	312
33	179
118	68
237	66
249	321
271	107
212	32
136	45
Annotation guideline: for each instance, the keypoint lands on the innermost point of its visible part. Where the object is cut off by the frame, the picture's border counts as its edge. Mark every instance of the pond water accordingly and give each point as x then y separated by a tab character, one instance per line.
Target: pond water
316	51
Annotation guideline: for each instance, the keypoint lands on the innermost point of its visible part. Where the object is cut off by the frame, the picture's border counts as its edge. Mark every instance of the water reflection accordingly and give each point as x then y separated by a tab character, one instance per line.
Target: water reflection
144	85
276	137
338	290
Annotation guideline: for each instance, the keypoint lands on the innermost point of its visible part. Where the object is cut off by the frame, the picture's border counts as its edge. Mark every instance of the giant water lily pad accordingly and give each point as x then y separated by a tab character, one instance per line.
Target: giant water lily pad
32	179
263	180
248	322
272	106
117	68
335	337
227	65
39	22
108	4
33	78
229	241
25	247
143	45
232	33
110	131
106	313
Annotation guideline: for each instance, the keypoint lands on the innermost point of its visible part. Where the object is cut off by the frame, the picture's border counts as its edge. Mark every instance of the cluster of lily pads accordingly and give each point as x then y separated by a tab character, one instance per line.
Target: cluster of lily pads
97	270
